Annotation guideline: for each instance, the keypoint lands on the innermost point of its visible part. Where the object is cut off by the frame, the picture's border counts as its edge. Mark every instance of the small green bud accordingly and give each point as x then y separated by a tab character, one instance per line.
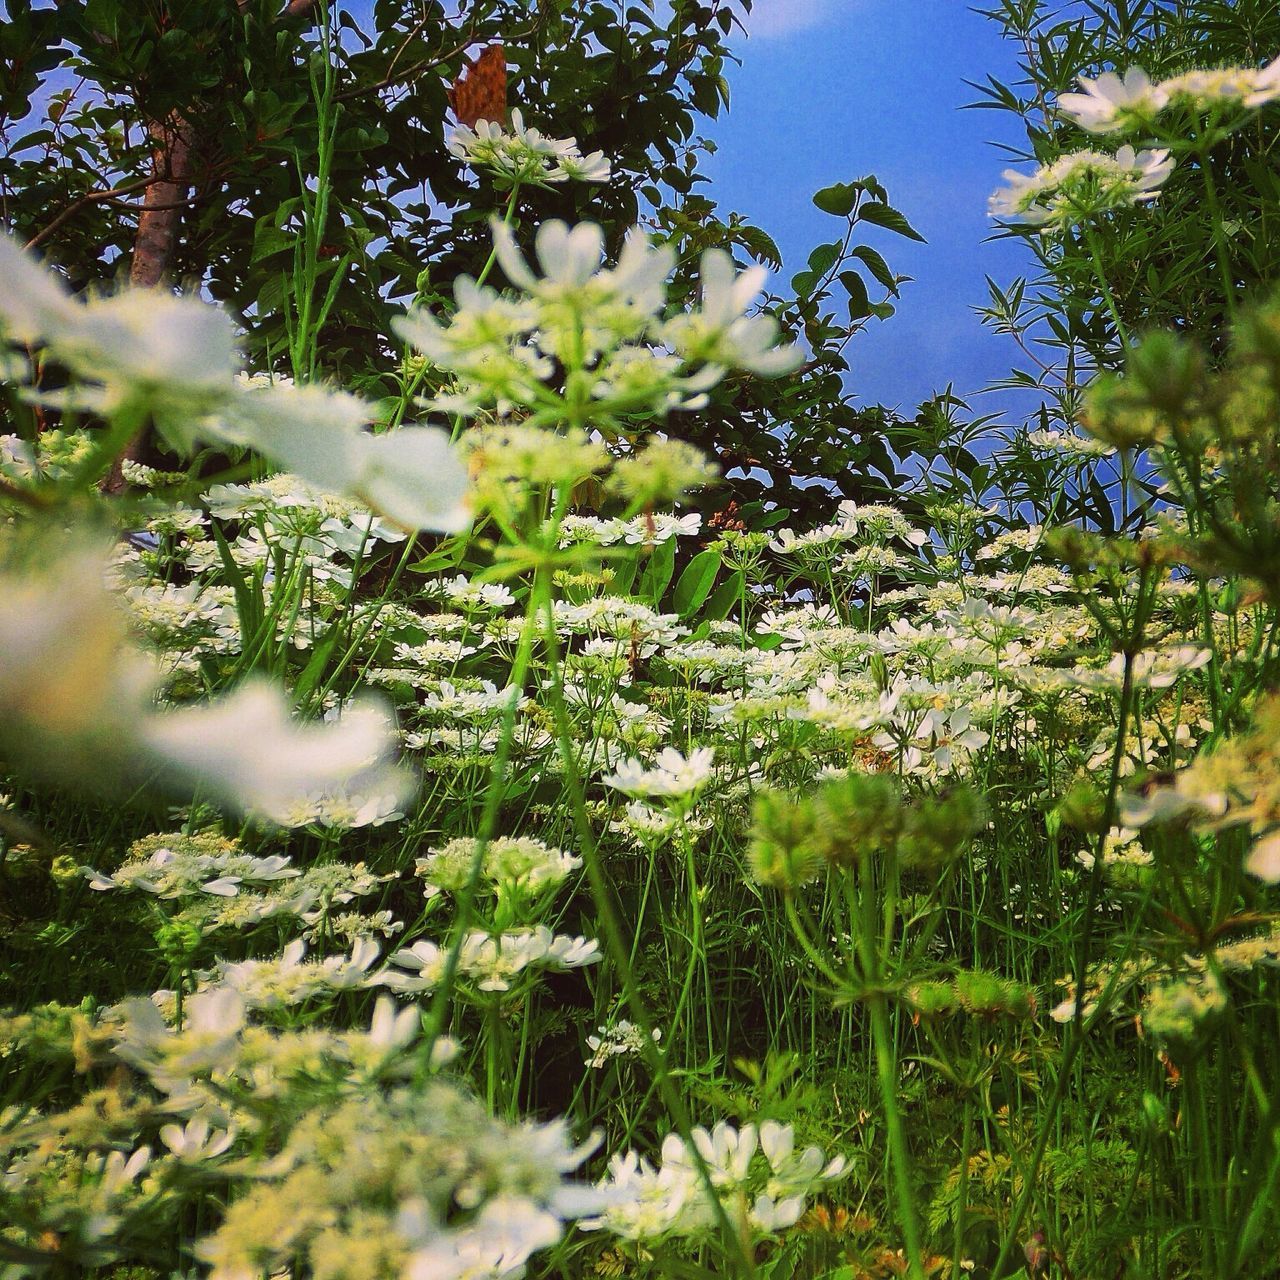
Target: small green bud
987	995
177	940
783	852
879	671
856	816
1166	371
932	999
1119	414
65	870
937	829
1083	807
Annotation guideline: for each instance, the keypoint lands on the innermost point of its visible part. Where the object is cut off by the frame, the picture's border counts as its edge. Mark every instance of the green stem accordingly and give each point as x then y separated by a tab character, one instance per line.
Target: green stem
899	1157
1221	250
1091	239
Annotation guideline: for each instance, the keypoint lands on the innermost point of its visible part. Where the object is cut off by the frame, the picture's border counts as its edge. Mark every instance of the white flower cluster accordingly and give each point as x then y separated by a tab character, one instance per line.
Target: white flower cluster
509	866
756	1172
416	1181
872	524
672	776
1113	103
493	962
1080	186
587	344
169	874
521	156
622	1039
144	353
640	531
291	978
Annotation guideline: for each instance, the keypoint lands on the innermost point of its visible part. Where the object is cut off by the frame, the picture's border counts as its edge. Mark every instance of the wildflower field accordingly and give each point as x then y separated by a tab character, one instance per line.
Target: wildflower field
507	770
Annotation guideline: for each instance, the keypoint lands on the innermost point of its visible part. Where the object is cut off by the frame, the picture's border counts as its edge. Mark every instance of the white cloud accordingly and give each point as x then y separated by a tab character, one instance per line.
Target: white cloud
779	19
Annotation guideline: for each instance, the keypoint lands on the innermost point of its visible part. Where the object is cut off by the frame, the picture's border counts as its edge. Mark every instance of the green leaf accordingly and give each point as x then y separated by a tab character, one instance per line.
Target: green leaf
725	597
859	299
316	665
696	581
824	257
804	283
882	215
837	199
250	608
657	574
878	267
761	246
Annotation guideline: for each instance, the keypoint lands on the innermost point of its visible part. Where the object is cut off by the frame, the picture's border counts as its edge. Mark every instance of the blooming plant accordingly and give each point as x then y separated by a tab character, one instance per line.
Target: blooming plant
438	850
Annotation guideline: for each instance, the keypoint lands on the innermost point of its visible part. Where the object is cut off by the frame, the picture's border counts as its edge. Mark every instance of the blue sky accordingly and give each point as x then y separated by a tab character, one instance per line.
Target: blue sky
830	90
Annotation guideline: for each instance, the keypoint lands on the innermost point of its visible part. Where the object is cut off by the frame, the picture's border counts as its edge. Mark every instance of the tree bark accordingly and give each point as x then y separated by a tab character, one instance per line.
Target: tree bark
162	205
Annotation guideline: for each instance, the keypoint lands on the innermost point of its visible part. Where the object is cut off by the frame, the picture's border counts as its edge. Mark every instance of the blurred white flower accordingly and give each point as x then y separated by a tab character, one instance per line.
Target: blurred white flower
411	475
671	775
1113	102
722	333
146	351
1264	859
195	1142
1246	88
246	749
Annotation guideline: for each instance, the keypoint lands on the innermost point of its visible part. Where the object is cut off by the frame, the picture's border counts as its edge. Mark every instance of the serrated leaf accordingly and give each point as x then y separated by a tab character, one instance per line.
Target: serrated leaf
878	267
761	246
883	215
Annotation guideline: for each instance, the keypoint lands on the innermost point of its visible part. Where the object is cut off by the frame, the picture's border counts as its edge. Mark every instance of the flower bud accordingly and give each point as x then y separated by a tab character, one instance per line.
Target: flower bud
784	850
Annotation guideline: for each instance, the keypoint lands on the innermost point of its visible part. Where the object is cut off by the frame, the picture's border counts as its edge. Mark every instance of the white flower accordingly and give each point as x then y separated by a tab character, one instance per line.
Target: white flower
1112	102
290	978
495	1246
412	475
1264	859
648	1204
771	1214
214	1019
246	749
145	349
671	774
194	1142
726	1151
523	156
722	333
624	1038
1243	87
34	304
1079	186
588	342
795	1172
493	962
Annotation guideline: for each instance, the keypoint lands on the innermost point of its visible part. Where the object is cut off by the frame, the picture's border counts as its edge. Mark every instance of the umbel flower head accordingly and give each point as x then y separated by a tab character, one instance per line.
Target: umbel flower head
1132	102
1080	186
522	156
589	345
148	353
77	700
